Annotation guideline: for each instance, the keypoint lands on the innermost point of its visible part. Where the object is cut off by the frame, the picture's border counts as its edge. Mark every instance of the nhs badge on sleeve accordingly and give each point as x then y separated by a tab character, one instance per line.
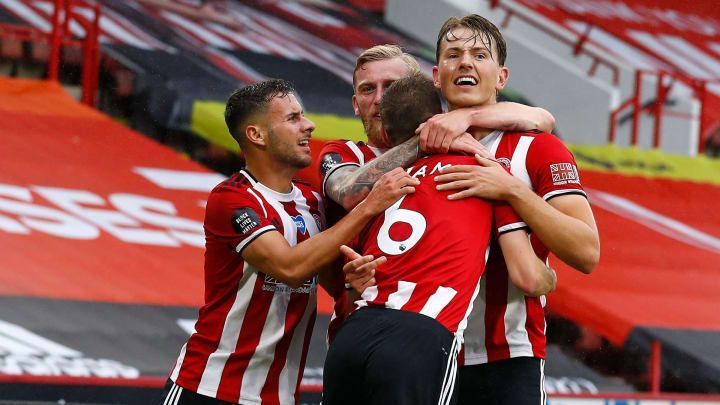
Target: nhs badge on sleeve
300	224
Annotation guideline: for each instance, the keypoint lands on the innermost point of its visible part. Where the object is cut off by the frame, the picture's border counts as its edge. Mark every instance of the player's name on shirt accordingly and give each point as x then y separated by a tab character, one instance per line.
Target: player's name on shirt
422	171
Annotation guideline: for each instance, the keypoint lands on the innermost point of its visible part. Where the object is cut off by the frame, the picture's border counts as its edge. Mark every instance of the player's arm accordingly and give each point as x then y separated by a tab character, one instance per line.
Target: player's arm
526	271
272	254
565	223
439	132
348	185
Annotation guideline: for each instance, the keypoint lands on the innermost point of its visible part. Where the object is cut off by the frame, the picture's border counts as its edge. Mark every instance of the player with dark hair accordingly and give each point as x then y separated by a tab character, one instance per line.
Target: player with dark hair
401	346
264	246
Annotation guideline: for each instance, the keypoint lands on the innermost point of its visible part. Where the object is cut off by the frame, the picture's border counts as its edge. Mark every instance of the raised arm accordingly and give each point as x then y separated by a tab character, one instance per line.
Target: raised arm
272	254
526	271
438	133
348	185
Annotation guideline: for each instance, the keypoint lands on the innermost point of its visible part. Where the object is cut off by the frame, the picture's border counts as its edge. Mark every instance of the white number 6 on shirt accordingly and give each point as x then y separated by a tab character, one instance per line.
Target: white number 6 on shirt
393	215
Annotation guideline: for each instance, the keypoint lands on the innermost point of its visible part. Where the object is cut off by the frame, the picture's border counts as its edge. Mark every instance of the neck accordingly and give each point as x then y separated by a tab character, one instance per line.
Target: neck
477	132
272	174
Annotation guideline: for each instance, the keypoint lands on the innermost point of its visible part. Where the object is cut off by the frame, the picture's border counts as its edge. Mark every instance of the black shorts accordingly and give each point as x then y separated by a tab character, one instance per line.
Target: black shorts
517	381
386	356
177	395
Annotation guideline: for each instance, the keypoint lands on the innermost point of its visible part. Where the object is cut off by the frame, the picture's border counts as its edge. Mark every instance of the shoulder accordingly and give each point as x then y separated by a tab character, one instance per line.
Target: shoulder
539	145
236	187
305	187
338	145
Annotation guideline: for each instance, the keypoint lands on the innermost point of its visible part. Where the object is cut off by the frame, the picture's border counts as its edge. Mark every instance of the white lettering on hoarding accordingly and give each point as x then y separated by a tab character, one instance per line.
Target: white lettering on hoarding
23	352
81	214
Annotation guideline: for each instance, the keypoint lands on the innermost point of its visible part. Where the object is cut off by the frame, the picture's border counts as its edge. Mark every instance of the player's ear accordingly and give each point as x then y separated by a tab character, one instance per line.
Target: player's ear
436	77
503	74
355	106
255	135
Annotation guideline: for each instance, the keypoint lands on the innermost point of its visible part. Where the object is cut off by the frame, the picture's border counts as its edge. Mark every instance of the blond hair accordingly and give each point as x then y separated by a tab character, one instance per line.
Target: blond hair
385	52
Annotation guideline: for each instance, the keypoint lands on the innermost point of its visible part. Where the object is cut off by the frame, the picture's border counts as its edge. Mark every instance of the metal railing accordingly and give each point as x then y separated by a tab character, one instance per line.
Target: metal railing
60	36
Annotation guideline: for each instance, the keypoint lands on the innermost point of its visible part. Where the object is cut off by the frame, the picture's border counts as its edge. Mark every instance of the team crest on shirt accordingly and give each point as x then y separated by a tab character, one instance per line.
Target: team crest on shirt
300	223
564	173
272	284
505	162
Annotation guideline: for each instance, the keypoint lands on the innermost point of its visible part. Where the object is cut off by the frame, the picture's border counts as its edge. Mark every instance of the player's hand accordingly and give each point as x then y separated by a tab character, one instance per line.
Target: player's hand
392	186
360	270
465	143
439	132
488	180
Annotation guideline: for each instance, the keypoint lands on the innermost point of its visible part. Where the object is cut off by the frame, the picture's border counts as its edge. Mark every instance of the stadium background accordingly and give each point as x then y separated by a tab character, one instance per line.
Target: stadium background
104	172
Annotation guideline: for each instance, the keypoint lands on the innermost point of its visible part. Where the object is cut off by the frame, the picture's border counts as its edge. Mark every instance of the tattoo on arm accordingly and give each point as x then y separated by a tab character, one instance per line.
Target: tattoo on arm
348	187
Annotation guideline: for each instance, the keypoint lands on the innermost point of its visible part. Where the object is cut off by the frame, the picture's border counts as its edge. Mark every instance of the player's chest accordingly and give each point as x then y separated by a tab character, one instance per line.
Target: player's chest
298	225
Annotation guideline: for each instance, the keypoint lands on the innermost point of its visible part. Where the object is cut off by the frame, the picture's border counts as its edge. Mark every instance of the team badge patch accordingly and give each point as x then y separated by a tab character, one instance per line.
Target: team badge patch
505	162
245	220
564	173
329	161
300	224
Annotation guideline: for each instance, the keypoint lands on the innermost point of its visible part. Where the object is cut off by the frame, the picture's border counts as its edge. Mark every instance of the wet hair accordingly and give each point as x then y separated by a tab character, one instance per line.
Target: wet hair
406	104
250	100
485	32
385	52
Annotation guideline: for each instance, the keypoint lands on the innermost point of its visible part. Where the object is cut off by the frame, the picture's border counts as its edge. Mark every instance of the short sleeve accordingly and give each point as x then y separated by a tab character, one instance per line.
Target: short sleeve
552	168
236	217
506	219
334	155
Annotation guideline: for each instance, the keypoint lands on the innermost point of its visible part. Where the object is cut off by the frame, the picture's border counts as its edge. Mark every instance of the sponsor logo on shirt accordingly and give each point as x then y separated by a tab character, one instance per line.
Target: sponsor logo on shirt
318	222
300	224
244	220
564	173
274	285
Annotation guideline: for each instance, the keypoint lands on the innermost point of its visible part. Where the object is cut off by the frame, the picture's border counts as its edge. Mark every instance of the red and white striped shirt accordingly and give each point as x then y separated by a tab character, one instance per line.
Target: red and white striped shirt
334	155
253	333
504	322
436	248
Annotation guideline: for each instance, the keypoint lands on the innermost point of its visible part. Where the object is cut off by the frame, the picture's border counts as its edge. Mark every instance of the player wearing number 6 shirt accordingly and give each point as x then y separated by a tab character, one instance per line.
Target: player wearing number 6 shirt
349	169
400	347
264	247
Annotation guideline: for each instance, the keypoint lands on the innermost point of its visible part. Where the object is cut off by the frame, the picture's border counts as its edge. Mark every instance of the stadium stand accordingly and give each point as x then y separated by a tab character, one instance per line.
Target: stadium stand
101	227
611	56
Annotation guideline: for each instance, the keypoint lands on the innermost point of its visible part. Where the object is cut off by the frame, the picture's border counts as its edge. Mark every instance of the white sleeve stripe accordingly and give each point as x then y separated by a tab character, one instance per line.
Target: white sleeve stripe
512	227
556	193
259	201
254	236
332	170
358	153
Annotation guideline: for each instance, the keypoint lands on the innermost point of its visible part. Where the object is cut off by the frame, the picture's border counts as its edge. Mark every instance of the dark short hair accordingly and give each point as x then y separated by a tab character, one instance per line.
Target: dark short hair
249	100
484	30
406	104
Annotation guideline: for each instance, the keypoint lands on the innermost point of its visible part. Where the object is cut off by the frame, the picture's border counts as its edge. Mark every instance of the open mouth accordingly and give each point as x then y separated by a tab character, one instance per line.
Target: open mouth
466	81
304	143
